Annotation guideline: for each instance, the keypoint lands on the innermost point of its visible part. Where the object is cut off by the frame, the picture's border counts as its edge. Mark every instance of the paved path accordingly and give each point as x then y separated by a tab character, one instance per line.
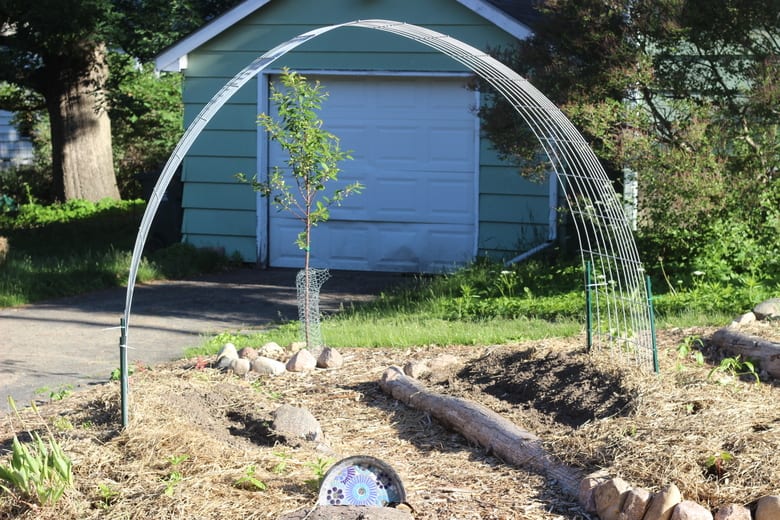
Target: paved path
74	341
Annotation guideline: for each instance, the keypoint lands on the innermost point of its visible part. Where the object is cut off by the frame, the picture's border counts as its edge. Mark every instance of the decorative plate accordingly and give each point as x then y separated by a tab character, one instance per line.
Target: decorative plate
361	481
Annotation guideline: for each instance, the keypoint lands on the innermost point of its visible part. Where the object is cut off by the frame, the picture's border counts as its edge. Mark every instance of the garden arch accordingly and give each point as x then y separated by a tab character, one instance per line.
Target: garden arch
622	308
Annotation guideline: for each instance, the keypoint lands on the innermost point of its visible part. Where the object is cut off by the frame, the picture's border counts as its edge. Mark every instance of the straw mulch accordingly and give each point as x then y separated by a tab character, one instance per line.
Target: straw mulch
650	430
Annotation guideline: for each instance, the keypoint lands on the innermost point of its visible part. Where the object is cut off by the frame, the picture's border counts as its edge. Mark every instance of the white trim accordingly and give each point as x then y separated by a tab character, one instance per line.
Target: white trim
170	59
477	170
262	207
174	58
499	18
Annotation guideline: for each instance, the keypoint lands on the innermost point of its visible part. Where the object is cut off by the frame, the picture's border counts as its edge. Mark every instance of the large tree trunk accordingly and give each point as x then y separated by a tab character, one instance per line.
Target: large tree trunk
82	160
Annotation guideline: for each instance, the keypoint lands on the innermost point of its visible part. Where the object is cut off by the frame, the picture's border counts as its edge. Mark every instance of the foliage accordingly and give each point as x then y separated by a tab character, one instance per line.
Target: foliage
78	246
58	45
320	468
38	471
735	367
682	94
249	481
146	118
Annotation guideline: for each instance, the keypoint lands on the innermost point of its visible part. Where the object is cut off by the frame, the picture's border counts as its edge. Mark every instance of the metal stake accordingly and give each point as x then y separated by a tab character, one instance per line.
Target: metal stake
123	371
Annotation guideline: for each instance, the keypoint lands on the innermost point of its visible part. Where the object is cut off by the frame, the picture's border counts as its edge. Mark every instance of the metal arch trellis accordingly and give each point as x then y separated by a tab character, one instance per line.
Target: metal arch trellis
622	306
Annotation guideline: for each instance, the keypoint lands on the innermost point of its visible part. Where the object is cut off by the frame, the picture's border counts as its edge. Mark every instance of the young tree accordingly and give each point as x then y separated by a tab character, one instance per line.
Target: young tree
314	155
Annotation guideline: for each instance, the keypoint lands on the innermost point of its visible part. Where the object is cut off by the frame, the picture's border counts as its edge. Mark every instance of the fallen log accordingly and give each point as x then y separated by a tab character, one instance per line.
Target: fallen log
483	426
765	352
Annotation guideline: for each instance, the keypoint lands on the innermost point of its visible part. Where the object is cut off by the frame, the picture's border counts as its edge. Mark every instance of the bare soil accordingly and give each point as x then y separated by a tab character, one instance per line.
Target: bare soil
714	435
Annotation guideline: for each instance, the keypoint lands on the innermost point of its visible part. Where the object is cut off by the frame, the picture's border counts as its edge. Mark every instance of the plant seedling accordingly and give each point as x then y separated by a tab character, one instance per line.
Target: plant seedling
249	482
320	467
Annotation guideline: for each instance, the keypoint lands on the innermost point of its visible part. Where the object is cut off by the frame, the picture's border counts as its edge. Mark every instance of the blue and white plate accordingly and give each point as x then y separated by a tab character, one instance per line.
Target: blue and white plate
361	481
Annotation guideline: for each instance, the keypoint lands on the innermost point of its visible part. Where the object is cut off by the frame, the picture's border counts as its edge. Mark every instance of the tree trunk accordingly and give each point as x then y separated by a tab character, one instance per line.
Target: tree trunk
485	427
82	160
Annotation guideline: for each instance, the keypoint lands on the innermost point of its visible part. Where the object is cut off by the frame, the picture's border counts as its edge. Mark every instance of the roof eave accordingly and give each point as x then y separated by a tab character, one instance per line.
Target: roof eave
174	58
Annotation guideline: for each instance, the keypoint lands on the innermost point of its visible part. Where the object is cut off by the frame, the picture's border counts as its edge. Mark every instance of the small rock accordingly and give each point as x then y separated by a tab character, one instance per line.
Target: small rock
248	353
609	497
768	309
689	510
267	366
272	350
416	369
663	503
733	512
240	367
226	356
635	504
348	513
301	361
296	346
768	507
442	367
587	486
294	423
743	319
228	350
330	358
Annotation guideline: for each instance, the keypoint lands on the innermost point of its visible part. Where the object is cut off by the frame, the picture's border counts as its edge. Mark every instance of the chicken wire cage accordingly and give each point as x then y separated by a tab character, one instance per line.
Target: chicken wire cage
616	283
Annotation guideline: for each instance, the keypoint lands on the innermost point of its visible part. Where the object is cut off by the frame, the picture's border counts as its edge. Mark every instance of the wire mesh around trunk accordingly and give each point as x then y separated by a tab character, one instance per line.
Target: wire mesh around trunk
307	284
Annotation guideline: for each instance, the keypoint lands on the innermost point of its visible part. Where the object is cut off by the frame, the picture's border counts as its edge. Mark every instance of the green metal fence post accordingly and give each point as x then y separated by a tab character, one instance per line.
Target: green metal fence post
656	367
588	307
123	371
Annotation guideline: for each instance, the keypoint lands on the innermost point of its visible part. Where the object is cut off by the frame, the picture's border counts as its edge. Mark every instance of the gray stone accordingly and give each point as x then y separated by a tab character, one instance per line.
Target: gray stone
330	358
663	503
733	512
743	319
609	497
248	353
268	367
689	510
301	361
225	355
272	350
240	366
768	309
768	508
635	504
587	486
416	369
294	423
295	346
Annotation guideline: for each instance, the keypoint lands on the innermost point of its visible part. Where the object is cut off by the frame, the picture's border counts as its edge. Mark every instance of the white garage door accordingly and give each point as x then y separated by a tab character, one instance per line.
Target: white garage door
414	147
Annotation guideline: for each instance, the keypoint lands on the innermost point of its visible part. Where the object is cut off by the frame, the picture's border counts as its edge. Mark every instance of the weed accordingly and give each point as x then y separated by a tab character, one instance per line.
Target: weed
39	470
715	464
320	467
690	348
736	367
249	482
56	395
175	476
108	495
63	424
281	466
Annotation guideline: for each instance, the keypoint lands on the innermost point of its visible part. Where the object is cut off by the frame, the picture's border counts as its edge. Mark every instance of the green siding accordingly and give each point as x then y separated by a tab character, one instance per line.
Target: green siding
228	145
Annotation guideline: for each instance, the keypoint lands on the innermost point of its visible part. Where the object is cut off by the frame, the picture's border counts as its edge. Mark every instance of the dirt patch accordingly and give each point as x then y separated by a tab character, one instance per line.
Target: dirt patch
590	412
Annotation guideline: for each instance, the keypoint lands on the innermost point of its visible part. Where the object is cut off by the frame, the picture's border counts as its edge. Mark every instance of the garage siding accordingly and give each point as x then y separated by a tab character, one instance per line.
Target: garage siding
229	142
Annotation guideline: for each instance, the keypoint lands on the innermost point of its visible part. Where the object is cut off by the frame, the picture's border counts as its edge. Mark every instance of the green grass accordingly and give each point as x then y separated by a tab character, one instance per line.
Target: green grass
77	247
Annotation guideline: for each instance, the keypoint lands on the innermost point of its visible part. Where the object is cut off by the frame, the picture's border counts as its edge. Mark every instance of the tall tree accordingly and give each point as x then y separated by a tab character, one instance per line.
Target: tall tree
56	48
53	53
682	92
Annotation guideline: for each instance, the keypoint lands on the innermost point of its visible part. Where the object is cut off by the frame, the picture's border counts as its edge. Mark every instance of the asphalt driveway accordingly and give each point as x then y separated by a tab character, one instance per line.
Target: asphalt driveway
74	342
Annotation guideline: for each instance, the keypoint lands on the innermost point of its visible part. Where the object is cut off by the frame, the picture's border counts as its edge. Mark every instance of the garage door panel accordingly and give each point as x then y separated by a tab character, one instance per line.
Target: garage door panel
413	147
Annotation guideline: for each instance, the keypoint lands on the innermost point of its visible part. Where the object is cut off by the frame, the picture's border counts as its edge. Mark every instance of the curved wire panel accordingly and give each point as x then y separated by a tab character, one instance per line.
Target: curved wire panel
619	294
